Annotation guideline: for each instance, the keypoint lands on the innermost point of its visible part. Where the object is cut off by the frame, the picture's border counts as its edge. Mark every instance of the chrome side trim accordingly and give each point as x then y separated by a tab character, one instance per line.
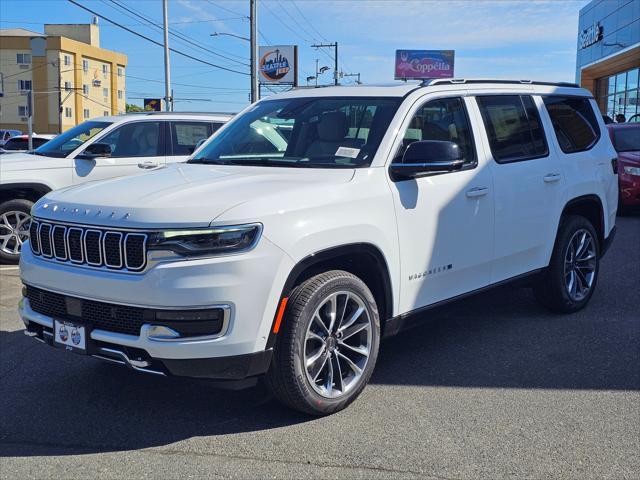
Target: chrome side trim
226	315
139	365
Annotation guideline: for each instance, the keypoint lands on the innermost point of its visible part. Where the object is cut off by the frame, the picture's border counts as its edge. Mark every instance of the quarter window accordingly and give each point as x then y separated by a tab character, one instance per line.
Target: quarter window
445	120
574	122
513	127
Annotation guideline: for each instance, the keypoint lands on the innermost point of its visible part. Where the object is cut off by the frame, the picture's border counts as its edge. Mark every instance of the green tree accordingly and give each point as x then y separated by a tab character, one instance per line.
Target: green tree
133	108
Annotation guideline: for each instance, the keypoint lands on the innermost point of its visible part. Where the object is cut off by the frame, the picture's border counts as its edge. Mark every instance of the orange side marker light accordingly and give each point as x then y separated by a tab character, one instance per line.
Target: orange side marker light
283	306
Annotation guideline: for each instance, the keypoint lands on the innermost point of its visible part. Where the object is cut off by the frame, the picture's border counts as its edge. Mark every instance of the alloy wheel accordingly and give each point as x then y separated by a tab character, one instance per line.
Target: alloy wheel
14	230
580	265
337	344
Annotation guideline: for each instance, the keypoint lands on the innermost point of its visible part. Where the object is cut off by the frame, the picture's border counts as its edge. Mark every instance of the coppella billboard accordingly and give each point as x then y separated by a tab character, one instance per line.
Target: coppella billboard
278	64
424	64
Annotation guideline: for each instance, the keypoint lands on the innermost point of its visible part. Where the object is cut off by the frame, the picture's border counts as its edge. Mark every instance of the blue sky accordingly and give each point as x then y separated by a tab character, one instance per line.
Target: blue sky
495	39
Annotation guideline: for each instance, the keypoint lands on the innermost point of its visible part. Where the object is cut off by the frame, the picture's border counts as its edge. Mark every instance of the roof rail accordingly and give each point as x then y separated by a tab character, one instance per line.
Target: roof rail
184	113
466	81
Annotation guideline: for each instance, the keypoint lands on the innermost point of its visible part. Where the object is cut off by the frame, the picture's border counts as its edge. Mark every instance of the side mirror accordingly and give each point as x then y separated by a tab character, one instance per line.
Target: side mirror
96	150
427	157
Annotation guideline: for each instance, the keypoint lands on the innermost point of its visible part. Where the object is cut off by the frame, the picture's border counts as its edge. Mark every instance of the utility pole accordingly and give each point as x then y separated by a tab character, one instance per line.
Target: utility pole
335	57
167	71
316	72
30	117
253	38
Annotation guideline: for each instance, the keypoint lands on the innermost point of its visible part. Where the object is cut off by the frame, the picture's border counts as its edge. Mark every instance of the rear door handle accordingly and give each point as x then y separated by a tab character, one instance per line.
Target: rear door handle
477	192
551	177
147	165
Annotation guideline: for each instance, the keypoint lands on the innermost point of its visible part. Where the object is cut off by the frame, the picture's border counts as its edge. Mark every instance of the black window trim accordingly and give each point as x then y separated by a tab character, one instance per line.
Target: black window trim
468	166
544	132
598	133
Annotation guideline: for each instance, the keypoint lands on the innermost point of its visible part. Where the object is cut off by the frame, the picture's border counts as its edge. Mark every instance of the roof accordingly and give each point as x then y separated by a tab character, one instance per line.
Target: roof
168	116
19	32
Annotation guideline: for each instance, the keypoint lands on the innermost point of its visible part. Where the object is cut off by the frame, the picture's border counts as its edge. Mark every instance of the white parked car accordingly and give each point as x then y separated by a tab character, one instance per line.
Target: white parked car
292	261
97	149
20	143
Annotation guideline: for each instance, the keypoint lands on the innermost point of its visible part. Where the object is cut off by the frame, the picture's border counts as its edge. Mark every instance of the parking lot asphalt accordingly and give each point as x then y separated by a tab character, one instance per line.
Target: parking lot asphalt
492	386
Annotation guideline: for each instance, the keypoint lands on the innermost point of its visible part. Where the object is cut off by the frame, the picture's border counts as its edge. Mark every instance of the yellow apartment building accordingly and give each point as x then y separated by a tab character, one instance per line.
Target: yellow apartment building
71	77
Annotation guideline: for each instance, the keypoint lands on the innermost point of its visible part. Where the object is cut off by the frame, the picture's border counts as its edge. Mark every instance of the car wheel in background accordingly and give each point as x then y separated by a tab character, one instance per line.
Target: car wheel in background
15	220
327	346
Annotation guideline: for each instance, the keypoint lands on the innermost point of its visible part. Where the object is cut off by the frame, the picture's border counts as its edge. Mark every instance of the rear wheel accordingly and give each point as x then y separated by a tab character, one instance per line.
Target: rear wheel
570	280
15	220
328	344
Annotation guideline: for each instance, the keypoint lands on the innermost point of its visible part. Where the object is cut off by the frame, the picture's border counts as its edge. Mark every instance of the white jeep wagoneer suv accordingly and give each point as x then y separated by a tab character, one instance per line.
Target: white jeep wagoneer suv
318	221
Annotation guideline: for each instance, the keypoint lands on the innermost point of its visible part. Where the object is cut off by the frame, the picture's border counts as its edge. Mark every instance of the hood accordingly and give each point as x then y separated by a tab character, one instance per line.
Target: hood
629	157
25	161
179	195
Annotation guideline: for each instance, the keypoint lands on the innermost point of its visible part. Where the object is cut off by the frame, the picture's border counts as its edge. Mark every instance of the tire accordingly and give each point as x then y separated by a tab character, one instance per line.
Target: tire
559	289
14	213
289	378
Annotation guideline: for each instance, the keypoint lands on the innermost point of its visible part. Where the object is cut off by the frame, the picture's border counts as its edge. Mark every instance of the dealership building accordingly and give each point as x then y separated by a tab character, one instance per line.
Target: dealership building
608	59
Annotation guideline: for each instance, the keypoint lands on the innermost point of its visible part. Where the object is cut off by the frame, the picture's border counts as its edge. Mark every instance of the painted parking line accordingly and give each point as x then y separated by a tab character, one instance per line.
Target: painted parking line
5	268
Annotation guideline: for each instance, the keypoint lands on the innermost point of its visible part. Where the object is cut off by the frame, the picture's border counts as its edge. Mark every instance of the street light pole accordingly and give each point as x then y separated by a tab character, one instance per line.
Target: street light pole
167	72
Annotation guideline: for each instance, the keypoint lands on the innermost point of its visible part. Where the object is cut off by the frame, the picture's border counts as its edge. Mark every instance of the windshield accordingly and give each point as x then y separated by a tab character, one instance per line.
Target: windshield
67	142
327	132
627	139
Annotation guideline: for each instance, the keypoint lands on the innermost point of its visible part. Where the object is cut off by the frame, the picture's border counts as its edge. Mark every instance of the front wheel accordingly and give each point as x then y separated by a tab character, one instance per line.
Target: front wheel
570	280
327	346
15	220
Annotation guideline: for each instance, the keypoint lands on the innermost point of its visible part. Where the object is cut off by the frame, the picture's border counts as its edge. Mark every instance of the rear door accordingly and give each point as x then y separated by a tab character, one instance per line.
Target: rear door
135	147
528	182
184	136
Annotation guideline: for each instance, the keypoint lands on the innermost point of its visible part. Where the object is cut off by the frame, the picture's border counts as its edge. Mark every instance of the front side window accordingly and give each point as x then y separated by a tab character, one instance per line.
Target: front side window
444	120
186	135
513	127
574	122
136	139
67	142
17	144
327	132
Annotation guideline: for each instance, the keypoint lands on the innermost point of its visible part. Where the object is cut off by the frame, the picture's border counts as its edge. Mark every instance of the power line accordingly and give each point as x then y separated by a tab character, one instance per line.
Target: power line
180	36
281	5
19	22
179	52
308	22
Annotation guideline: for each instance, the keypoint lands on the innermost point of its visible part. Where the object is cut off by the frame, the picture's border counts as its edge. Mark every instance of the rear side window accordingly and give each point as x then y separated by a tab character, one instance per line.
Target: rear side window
513	127
16	144
186	135
574	122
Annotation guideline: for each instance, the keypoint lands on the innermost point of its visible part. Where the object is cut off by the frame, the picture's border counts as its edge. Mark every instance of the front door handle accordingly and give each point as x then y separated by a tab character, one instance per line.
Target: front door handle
477	192
147	165
551	177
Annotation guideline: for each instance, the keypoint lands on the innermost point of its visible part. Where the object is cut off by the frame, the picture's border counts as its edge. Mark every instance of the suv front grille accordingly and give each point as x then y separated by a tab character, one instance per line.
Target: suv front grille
95	247
104	316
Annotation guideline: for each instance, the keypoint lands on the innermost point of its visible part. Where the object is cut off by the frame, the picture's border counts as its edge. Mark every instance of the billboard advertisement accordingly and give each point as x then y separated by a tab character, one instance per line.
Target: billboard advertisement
153	104
424	64
277	64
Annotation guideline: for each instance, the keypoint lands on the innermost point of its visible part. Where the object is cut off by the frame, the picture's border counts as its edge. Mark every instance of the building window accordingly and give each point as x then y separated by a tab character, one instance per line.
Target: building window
68	113
24	85
105	113
85	89
67	86
105	92
85	65
120	71
618	94
104	69
22	110
23	58
86	113
67	60
119	94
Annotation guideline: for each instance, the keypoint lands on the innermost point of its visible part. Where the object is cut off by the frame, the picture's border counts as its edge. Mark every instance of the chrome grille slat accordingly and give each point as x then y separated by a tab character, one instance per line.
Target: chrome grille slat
90	246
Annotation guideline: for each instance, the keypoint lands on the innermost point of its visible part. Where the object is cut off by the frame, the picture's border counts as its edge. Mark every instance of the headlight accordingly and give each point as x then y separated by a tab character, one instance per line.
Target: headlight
208	241
632	171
